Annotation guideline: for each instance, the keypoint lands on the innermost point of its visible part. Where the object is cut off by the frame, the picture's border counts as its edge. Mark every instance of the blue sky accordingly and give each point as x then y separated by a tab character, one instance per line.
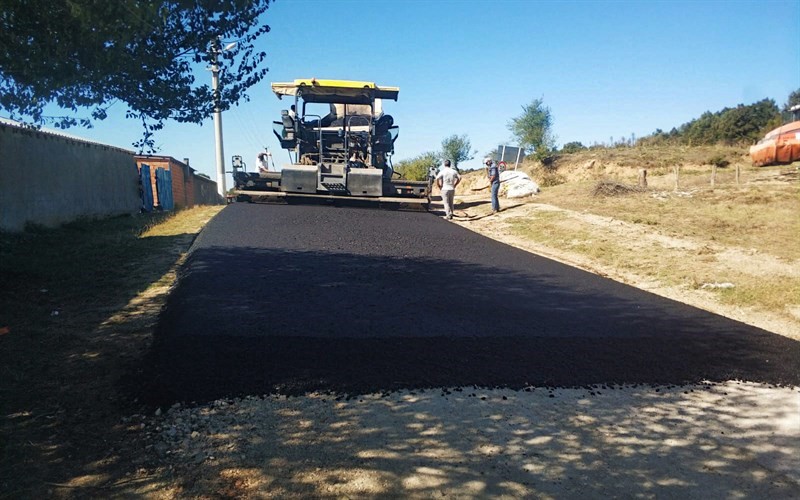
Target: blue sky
605	69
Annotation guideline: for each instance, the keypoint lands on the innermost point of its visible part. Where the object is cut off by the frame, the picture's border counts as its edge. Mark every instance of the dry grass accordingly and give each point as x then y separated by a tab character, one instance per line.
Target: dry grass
760	216
184	222
745	233
610	188
655	261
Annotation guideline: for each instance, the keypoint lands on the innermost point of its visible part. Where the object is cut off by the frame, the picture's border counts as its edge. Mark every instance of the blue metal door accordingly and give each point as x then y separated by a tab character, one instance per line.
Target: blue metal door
146	188
164	188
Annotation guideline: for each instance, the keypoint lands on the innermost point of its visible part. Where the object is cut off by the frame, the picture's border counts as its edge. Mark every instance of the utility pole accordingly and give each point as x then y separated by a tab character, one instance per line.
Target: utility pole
216	50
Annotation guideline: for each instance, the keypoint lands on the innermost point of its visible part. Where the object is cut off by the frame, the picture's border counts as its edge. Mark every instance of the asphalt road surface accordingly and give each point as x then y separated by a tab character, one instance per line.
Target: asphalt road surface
296	298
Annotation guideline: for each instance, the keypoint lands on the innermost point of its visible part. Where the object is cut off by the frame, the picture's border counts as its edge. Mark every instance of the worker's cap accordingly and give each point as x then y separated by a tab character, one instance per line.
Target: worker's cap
488	159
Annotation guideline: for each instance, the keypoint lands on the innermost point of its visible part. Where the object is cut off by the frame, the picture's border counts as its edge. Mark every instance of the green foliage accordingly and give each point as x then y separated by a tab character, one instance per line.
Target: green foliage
457	149
793	100
90	54
572	147
744	124
417	168
533	130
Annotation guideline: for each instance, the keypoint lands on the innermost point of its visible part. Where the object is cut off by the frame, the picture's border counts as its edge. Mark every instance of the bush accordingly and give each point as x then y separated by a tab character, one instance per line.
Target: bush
572	147
547	177
417	168
718	161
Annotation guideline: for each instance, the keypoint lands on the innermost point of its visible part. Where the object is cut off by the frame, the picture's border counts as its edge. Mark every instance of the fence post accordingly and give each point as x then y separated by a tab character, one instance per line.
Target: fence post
643	178
713	176
677	169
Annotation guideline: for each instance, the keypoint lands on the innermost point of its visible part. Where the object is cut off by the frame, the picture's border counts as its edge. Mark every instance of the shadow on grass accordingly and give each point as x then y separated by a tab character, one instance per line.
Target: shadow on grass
74	301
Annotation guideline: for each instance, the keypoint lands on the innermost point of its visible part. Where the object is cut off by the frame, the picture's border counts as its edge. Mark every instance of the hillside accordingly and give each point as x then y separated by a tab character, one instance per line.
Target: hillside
731	248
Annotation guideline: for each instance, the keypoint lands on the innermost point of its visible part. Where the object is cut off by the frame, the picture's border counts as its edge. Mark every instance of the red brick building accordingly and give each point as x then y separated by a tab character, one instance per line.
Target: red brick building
188	187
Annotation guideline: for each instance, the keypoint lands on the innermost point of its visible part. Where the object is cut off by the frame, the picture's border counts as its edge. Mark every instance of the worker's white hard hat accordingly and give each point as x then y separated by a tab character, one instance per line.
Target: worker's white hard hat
488	159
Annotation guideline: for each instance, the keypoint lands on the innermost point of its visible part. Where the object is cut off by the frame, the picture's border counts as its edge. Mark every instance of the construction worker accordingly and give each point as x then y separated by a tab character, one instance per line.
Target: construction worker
263	163
494	179
447	179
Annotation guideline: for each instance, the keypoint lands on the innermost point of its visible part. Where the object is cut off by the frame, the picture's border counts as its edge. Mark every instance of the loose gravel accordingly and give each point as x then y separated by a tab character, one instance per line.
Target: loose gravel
734	439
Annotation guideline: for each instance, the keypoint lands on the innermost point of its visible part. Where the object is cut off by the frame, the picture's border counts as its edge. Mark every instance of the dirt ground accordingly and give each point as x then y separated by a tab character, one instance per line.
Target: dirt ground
710	246
638	238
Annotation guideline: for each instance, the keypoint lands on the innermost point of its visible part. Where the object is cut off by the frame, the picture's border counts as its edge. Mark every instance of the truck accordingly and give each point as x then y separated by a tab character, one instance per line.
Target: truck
340	144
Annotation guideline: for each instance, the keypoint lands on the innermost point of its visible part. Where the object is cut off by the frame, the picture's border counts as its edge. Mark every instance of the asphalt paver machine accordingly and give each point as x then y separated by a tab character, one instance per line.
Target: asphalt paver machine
340	144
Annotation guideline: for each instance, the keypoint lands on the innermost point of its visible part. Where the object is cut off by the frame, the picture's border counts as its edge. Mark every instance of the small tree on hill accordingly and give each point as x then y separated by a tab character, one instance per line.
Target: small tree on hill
417	168
457	149
533	130
572	147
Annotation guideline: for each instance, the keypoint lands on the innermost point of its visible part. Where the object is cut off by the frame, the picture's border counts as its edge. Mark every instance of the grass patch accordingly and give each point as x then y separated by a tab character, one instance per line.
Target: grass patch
760	217
51	274
76	310
670	266
773	295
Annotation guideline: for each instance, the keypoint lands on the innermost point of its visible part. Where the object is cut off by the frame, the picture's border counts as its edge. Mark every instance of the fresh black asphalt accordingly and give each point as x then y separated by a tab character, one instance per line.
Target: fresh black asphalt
297	298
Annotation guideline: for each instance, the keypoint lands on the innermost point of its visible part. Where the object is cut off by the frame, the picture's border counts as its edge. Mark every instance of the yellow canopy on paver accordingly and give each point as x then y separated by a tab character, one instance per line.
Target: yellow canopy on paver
340	91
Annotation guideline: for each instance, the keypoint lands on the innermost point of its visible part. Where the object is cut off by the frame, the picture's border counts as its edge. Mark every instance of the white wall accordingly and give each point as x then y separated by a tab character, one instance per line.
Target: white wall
49	179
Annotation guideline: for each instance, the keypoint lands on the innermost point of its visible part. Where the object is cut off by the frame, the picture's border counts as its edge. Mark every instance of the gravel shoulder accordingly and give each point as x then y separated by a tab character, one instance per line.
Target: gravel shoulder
713	441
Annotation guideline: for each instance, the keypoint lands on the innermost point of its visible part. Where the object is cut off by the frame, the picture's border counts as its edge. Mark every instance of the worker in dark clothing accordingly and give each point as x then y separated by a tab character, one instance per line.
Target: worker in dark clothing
494	179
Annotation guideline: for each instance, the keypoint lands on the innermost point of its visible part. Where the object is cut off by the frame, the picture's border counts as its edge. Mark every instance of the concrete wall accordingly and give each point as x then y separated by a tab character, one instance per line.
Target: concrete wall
205	191
49	179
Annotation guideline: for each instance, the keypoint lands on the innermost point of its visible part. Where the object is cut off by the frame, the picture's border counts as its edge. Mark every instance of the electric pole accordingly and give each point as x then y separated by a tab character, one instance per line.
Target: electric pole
215	52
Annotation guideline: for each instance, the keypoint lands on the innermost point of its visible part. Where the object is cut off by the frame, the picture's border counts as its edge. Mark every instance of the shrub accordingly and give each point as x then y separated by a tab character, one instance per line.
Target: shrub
572	147
719	161
548	178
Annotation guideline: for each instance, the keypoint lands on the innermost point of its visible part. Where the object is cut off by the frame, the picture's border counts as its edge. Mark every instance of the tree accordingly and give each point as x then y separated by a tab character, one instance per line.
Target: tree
572	147
90	54
702	130
793	100
417	168
457	149
747	124
533	129
743	124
